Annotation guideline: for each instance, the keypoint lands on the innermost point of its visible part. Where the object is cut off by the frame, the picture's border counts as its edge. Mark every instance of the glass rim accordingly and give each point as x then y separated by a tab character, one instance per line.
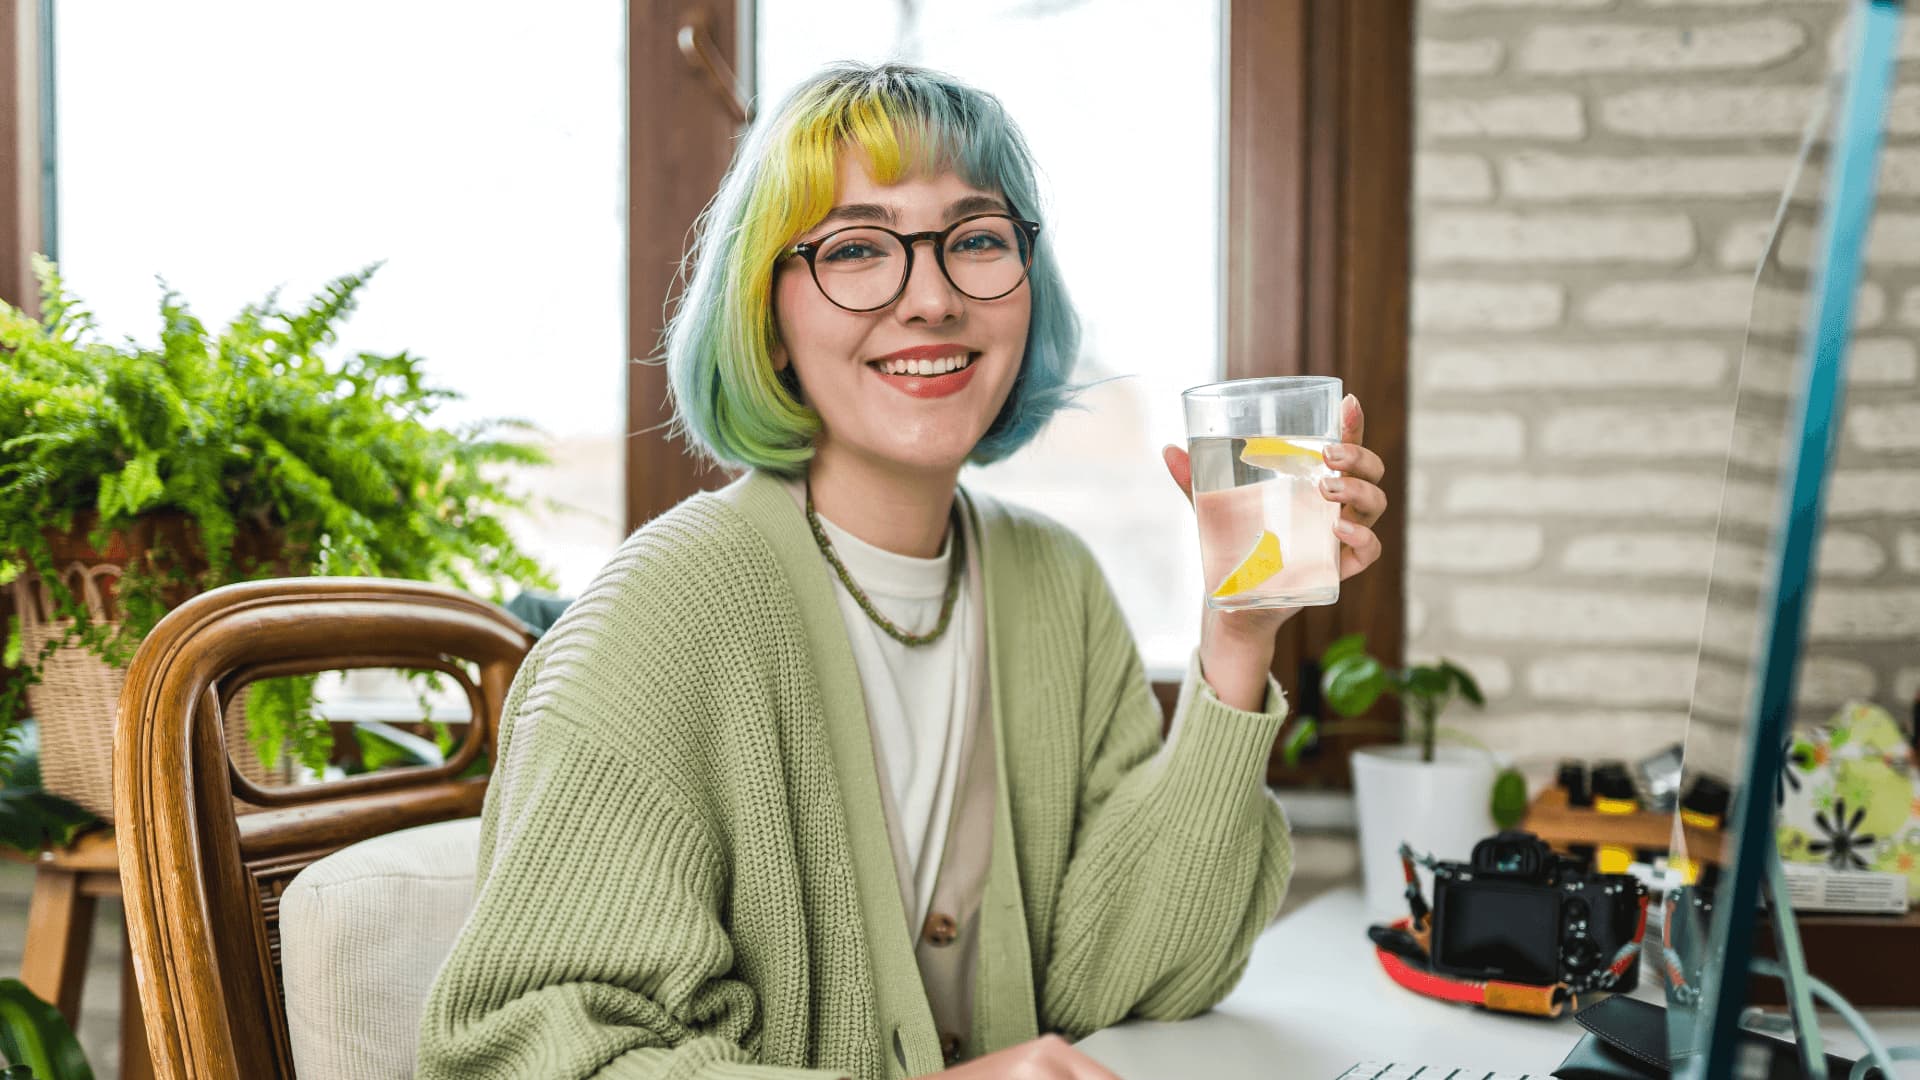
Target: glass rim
1233	388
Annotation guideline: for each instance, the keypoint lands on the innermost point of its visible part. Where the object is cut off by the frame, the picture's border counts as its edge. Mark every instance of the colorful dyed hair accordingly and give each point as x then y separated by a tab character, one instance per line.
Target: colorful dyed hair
728	400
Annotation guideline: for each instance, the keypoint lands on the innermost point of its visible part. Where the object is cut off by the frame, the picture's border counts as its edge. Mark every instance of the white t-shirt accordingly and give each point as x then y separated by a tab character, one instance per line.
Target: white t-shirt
917	697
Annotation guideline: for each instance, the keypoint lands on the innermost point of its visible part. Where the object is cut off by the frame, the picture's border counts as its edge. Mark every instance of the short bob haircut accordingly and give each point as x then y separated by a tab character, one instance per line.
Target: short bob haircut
728	399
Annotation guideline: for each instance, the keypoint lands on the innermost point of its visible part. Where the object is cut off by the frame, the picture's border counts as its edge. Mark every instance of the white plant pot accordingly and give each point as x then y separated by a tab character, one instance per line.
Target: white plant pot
1442	808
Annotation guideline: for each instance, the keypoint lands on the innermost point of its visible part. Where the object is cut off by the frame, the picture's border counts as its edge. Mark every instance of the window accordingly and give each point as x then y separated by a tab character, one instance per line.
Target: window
477	150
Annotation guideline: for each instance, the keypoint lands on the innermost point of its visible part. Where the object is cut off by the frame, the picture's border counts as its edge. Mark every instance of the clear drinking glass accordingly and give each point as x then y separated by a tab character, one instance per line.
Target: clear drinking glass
1266	531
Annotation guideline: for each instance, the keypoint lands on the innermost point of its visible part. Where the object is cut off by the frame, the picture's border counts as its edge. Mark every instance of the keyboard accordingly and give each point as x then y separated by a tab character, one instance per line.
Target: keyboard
1380	1070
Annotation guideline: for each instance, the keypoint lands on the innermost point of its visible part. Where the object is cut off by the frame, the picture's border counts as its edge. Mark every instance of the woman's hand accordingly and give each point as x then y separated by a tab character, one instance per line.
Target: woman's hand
1048	1057
1236	647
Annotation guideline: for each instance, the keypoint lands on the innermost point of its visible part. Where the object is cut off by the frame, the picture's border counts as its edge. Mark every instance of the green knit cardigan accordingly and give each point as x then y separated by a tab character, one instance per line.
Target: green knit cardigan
684	869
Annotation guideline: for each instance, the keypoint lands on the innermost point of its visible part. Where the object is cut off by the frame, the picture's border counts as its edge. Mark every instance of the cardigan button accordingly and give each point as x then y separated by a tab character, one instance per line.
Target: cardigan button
940	929
950	1048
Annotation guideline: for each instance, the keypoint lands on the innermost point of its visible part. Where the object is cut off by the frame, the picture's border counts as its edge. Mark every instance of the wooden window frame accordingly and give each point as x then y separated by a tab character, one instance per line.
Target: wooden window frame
1318	176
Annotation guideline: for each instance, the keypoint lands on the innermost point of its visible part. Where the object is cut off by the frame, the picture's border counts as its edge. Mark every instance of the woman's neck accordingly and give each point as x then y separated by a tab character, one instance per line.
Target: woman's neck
902	511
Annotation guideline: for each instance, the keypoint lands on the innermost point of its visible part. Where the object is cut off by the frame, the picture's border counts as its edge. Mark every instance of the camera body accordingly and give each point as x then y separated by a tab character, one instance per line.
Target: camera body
1519	912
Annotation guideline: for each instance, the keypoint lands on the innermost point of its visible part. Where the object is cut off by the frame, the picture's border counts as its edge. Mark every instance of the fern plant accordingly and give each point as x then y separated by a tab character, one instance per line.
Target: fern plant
250	432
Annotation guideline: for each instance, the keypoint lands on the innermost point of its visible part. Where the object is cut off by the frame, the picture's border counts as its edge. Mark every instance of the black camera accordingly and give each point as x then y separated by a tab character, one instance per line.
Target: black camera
1518	912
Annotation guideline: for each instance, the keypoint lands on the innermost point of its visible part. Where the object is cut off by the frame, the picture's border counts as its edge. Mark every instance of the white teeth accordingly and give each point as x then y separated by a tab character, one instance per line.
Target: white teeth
925	367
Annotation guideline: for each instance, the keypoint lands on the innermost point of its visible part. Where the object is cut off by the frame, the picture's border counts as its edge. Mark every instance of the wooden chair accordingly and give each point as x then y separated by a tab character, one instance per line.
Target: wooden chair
202	883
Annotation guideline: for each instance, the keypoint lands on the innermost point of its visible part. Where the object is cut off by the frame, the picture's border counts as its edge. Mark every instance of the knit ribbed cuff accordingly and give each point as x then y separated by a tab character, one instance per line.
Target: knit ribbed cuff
1220	752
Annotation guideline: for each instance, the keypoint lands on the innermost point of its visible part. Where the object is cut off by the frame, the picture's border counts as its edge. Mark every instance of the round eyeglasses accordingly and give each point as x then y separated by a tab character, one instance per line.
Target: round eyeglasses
866	267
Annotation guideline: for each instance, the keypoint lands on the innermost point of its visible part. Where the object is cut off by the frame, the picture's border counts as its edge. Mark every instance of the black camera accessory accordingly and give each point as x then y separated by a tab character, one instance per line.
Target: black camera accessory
1573	778
1613	791
1705	803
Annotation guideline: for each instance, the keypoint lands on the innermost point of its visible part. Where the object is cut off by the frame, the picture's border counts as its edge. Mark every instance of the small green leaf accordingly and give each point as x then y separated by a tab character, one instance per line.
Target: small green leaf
15	643
1509	798
1426	682
1469	689
1343	647
1298	739
1352	685
32	1033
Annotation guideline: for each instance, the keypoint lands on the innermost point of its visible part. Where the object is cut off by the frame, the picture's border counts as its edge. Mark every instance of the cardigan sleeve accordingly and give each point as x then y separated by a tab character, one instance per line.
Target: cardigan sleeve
1180	854
595	946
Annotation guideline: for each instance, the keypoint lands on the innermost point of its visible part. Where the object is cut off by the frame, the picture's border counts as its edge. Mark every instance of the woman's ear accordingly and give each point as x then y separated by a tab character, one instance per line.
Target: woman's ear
777	352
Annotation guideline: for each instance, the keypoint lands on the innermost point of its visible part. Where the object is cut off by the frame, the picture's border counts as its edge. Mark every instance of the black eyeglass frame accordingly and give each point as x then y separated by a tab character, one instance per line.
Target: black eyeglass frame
937	237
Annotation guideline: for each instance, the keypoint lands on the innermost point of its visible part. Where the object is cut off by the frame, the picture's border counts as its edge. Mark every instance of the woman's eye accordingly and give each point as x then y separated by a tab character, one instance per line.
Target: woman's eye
979	242
852	252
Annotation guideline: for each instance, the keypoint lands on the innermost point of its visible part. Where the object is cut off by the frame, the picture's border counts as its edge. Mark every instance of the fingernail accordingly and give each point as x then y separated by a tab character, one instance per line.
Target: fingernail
1337	453
1343	527
1332	485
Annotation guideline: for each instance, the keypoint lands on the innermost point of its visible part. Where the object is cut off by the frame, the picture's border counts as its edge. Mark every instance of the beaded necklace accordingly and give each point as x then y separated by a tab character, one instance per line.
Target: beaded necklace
956	563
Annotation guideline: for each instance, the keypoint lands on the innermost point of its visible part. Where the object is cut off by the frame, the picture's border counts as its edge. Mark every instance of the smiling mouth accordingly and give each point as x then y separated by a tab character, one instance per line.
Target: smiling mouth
944	365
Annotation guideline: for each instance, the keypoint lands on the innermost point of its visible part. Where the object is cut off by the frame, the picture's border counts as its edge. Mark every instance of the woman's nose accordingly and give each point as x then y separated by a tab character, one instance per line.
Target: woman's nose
929	296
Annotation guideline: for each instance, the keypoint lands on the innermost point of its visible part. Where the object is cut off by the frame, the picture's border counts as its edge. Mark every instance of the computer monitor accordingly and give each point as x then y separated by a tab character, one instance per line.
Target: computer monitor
1754	639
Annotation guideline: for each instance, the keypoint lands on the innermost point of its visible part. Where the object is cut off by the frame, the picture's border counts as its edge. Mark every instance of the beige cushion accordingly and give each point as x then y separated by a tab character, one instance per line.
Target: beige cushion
362	934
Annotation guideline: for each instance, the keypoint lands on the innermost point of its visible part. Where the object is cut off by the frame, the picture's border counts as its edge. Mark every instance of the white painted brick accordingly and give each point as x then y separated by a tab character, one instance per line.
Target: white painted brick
1576	616
1553	365
1874	493
1906	686
1456	436
1909	546
1680	495
1486	305
1481	547
1550	177
1900	166
1894	241
1510	116
1419	491
1731	626
1857	613
1452	178
1682	304
1643	432
1542	5
1575	48
1714	3
1756	442
1708	112
1872	362
1473	56
1492	236
1613	678
1910	308
1828	681
1491	672
1850	555
1743	243
1640	555
1416	616
1840	41
1541	737
1783	312
1884	427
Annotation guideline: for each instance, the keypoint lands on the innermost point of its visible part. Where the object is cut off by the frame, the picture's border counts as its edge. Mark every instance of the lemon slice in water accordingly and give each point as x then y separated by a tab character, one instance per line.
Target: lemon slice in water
1267	452
1260	564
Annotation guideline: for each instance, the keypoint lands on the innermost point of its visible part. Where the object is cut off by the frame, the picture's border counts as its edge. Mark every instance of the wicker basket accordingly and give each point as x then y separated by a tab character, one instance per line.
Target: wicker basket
76	701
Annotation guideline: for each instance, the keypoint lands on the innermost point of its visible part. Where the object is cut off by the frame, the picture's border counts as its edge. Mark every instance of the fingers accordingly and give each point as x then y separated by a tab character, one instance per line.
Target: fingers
1356	460
1180	468
1353	422
1361	501
1359	547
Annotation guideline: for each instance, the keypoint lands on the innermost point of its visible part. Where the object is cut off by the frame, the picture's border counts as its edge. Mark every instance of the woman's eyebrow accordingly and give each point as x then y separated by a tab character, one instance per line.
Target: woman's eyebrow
971	204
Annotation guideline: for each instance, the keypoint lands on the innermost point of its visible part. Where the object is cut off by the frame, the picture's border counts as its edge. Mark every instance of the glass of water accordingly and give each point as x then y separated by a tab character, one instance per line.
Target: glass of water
1266	531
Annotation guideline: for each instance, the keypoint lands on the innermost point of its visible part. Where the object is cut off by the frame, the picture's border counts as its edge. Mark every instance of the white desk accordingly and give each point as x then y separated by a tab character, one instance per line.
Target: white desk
1314	1001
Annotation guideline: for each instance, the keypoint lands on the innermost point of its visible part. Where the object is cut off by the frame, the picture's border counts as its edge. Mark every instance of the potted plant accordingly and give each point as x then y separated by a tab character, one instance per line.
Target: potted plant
134	476
1441	799
35	1041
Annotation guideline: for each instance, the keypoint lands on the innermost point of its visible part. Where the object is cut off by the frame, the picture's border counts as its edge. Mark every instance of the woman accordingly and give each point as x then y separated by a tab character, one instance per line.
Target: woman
843	770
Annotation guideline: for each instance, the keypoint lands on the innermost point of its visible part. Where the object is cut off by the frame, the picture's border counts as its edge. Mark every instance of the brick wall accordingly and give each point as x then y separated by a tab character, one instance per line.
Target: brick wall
1595	183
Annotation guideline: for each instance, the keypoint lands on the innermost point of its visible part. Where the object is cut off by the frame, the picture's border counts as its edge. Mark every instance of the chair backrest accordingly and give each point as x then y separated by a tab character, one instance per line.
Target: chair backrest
202	884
